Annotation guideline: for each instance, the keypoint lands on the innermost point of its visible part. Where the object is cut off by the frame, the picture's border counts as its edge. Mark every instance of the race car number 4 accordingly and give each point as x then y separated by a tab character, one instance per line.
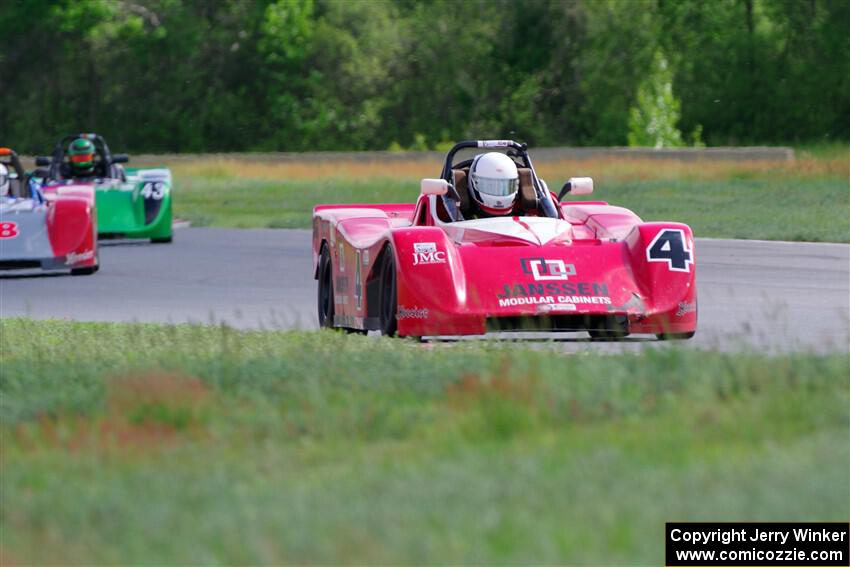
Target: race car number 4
8	229
153	190
670	246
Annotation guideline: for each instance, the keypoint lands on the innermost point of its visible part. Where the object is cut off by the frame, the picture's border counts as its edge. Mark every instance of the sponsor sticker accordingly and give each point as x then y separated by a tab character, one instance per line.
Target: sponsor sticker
412	312
76	258
574	293
543	269
494	143
341	257
556	307
571	300
420	247
427	253
366	257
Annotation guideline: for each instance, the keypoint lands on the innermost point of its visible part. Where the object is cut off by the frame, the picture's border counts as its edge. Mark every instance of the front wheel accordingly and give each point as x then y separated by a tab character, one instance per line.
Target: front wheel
607	334
88	270
613	328
84	271
388	298
675	336
165	240
326	290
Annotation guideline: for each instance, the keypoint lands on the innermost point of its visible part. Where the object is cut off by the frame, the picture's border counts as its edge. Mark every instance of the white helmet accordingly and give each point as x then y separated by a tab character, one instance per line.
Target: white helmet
4	180
494	182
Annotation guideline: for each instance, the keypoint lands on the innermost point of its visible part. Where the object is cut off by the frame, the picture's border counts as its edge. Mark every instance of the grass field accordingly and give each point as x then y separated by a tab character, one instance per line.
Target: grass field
808	199
150	444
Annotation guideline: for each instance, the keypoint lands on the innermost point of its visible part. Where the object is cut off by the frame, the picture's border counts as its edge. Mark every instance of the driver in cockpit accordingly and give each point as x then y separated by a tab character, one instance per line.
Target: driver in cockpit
81	158
5	183
494	184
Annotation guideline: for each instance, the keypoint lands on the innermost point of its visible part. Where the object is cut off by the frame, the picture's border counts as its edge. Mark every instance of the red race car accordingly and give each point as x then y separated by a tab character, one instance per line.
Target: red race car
51	229
456	264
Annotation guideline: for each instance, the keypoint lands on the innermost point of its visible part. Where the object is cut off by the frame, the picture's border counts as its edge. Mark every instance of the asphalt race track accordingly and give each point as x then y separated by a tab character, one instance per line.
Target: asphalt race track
752	294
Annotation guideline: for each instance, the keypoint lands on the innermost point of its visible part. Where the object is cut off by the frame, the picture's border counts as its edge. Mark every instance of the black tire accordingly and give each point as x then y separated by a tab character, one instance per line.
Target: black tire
607	335
613	328
675	336
326	290
165	240
388	299
84	271
88	270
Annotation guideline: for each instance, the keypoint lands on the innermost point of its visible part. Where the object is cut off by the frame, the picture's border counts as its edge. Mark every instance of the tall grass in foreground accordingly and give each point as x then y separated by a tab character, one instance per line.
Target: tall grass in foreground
808	199
180	444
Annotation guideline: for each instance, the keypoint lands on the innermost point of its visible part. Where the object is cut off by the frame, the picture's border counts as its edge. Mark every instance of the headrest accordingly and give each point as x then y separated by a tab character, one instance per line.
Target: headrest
527	194
459	180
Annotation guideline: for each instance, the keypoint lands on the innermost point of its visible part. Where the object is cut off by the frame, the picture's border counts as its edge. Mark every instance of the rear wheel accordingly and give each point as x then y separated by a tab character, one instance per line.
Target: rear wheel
675	336
326	290
388	299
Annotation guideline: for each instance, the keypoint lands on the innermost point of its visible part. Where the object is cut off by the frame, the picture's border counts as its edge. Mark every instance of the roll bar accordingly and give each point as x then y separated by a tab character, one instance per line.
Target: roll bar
15	162
543	198
59	151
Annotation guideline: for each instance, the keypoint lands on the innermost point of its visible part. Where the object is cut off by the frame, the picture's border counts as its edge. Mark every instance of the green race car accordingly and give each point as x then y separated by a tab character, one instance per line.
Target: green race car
131	203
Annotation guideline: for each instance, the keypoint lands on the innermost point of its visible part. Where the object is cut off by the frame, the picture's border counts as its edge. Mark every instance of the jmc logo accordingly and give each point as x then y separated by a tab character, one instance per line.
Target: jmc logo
427	253
547	270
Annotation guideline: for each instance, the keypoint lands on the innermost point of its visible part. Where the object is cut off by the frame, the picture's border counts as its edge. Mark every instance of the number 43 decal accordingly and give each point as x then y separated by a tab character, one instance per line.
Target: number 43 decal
670	246
153	190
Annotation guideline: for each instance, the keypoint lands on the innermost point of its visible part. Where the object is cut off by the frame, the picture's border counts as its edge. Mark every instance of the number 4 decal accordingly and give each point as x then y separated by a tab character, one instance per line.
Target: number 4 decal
671	246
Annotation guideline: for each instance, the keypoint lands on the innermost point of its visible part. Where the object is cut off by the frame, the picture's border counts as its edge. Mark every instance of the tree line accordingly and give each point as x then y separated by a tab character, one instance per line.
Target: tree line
291	75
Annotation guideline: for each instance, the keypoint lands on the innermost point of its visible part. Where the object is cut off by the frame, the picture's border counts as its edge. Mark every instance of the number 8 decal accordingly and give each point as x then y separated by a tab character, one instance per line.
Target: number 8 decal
671	246
8	230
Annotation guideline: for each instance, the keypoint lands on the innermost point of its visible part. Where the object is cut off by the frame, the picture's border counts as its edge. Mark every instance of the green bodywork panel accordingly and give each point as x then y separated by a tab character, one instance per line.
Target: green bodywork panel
139	207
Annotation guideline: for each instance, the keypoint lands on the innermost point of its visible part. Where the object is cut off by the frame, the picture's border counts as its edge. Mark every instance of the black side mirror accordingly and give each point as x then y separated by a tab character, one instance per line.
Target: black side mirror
42	161
120	158
564	190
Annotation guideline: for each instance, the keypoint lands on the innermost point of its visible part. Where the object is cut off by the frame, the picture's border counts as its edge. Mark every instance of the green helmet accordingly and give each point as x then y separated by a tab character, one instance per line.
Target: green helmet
81	155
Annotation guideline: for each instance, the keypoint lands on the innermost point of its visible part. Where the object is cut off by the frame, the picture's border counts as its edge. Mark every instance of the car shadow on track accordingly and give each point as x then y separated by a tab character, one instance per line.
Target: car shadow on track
32	274
123	243
549	339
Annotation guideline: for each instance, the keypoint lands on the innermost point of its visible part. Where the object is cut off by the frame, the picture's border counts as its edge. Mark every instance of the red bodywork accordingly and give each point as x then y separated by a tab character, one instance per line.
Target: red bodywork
48	227
591	268
72	224
54	228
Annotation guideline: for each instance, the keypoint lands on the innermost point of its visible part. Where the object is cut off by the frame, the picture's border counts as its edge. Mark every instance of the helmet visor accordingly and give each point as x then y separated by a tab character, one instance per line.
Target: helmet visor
82	160
495	187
